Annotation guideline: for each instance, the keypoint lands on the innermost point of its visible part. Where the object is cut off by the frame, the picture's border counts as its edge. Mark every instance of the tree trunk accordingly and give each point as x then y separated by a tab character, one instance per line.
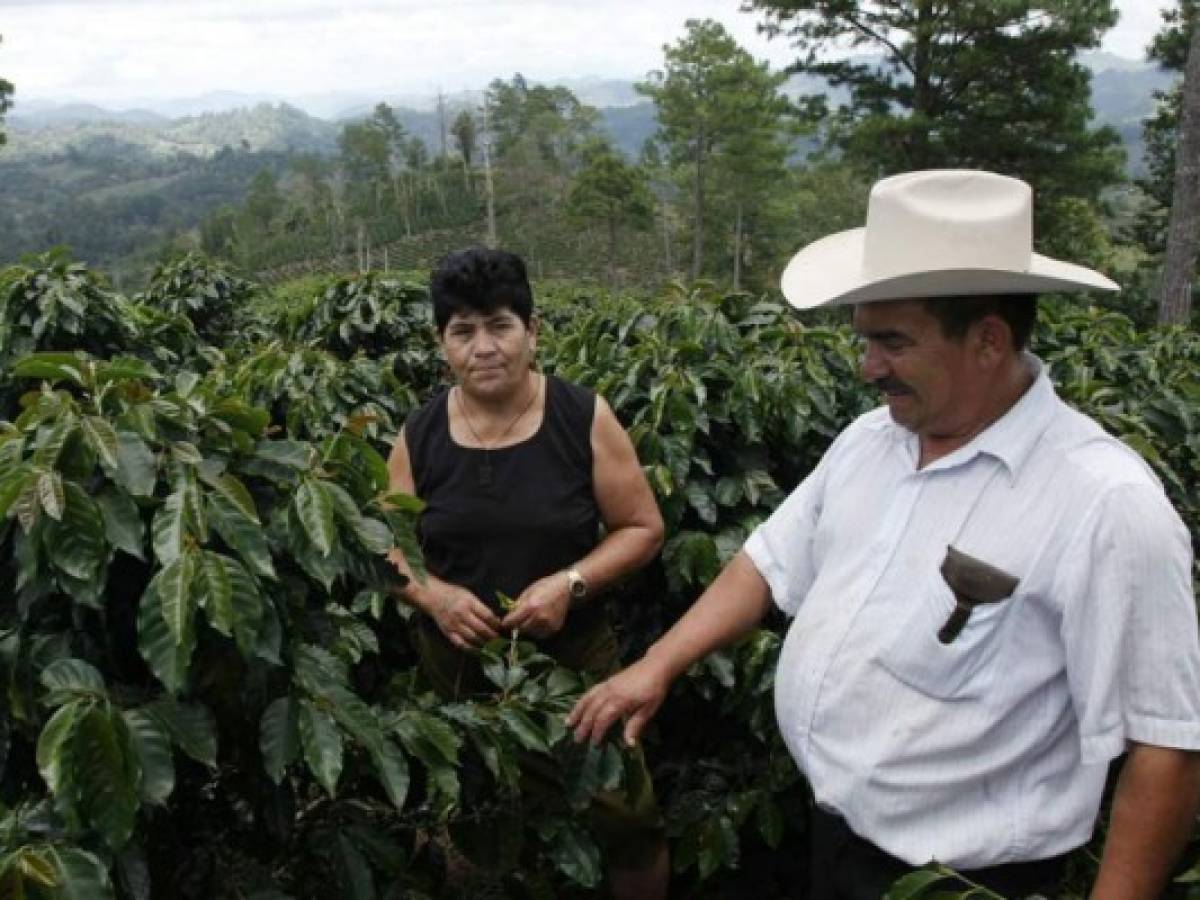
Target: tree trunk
612	250
922	63
668	256
1179	269
737	248
698	209
488	186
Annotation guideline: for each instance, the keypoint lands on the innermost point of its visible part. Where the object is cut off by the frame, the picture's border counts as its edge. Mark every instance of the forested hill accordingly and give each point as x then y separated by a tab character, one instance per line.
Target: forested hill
1122	96
118	187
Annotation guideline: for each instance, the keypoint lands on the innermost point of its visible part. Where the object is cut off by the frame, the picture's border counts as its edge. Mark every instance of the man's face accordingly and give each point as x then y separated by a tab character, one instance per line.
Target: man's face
929	380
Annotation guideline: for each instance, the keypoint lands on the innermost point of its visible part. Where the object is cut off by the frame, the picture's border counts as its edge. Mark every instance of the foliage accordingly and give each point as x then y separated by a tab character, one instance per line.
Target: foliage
720	114
209	296
944	94
609	191
208	691
6	91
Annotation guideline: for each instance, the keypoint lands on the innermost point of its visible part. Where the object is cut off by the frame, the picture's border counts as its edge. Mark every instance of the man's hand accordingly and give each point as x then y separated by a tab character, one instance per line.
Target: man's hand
634	695
464	619
541	609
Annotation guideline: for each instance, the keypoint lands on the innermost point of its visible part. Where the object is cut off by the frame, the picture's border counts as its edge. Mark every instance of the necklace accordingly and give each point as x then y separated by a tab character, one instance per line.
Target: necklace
485	467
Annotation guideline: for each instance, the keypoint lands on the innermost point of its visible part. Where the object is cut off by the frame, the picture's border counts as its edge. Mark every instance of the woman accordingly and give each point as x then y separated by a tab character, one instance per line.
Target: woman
520	472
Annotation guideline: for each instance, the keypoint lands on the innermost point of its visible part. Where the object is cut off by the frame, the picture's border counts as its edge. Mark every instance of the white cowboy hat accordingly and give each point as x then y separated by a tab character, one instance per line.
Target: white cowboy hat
938	233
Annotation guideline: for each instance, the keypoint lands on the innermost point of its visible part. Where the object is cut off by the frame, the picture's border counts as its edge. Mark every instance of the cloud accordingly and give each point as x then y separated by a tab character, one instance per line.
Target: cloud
115	51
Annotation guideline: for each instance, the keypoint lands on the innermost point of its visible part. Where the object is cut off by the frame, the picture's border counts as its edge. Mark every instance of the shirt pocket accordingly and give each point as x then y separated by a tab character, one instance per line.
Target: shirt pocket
961	669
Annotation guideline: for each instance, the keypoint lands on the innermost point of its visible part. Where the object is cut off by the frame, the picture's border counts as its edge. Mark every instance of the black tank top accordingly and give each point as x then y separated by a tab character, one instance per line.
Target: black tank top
537	516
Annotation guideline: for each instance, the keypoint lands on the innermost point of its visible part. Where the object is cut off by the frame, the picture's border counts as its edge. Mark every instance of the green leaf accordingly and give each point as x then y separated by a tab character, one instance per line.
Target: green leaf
72	679
102	438
50	494
422	733
76	544
279	737
175	587
137	469
322	743
54	747
770	821
702	502
914	885
168	660
357	883
52	366
169	528
718	845
216	592
107	775
294	454
353	715
126	368
391	767
249	419
153	749
191	727
242	534
123	525
573	851
11	487
81	875
403	502
232	489
32	864
523	729
373	534
314	505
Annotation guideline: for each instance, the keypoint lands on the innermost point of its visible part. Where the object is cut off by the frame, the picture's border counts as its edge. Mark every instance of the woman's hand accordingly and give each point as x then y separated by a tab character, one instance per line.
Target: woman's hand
464	619
541	609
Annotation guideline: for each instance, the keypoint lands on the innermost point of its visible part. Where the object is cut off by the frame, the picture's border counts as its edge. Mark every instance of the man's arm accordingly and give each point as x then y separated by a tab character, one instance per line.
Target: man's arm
1153	815
733	604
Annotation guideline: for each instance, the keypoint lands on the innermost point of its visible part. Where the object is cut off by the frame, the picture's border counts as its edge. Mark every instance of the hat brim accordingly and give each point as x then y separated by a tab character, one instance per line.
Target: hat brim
829	272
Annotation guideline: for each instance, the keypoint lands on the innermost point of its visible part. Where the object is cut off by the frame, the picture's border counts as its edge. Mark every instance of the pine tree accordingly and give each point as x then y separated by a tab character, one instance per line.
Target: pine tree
970	83
6	92
719	112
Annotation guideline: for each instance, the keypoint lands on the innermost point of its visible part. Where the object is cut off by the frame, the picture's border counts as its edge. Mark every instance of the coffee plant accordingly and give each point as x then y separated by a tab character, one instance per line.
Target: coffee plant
209	688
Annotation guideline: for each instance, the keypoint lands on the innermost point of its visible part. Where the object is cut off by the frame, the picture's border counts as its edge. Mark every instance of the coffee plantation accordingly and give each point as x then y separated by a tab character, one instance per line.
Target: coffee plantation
209	689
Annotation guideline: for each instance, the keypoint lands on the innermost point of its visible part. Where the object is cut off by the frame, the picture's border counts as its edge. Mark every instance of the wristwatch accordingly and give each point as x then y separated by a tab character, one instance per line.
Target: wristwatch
577	586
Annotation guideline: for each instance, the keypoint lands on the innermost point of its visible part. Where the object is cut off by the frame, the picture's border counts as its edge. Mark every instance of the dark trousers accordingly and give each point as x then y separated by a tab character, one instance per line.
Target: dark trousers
844	866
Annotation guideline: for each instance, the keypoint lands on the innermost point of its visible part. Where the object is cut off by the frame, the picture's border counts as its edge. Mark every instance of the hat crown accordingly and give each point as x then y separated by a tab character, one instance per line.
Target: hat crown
943	220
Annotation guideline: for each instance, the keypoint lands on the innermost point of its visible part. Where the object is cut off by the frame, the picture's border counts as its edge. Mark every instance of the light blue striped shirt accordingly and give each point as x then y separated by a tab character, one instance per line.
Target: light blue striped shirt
993	748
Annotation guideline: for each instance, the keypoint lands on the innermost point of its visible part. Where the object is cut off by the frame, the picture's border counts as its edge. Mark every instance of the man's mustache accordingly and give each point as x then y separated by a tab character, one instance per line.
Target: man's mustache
891	385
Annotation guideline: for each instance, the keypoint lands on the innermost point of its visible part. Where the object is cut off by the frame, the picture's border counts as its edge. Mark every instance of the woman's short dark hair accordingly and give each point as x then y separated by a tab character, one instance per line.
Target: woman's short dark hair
479	279
957	314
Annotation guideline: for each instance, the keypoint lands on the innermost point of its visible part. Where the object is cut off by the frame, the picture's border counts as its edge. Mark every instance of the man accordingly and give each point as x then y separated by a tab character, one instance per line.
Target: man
992	598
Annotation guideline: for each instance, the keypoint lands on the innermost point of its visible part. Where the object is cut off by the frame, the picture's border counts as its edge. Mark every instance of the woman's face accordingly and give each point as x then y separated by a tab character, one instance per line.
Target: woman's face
489	353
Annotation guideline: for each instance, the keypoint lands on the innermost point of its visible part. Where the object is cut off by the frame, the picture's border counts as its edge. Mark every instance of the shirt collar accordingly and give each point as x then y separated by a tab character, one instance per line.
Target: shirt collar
1010	439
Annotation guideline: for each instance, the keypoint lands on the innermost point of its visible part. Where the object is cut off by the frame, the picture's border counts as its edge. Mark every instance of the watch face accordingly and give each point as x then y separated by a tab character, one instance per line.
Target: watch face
576	585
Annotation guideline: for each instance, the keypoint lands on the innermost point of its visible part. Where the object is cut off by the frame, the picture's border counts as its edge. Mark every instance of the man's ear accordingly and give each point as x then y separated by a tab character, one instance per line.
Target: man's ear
993	340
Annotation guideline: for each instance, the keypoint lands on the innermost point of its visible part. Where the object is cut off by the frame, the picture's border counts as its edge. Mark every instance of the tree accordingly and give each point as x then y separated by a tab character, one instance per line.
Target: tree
610	191
463	130
972	83
264	202
1179	267
710	95
6	91
552	119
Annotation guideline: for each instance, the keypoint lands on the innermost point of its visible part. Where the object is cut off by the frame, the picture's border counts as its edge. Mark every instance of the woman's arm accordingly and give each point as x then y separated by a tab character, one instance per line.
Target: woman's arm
633	525
463	618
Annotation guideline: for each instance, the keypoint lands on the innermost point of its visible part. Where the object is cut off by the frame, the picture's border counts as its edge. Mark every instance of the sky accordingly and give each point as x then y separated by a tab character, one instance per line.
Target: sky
116	52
